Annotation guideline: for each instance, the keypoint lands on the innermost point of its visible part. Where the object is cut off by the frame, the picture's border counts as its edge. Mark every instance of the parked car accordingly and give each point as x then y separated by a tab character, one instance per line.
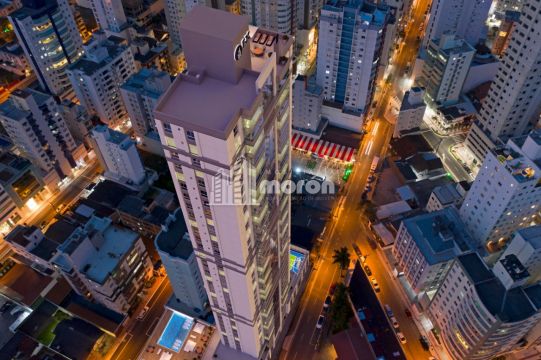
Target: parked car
388	310
327	302
394	322
401	337
424	342
408	312
332	288
367	270
375	284
320	322
143	313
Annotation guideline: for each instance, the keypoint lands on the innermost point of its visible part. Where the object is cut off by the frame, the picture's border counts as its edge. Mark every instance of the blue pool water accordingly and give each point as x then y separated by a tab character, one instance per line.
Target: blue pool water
295	261
177	329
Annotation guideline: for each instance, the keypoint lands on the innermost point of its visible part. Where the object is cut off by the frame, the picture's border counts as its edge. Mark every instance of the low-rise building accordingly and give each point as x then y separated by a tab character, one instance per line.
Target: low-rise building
426	245
178	257
477	315
411	112
444	196
105	262
307	102
526	246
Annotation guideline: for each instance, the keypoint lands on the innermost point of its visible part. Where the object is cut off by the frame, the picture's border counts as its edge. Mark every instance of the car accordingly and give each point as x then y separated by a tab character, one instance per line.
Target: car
357	251
388	310
143	313
320	322
371	178
375	284
401	337
394	322
150	349
159	351
408	312
424	342
367	270
327	302
368	188
332	288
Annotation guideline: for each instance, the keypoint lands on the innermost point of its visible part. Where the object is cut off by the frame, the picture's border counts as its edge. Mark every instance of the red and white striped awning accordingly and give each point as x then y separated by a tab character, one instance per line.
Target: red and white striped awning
322	148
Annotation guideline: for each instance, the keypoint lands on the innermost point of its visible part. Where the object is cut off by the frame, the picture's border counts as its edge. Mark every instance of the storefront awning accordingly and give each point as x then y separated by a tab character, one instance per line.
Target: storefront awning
323	148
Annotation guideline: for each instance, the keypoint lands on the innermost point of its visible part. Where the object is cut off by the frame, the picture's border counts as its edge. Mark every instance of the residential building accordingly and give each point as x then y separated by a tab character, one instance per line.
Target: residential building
150	53
464	18
106	263
509	5
483	70
349	48
179	260
505	194
21	190
412	110
98	75
507	27
276	15
512	103
119	157
9	6
307	13
526	246
445	69
78	120
12	59
444	196
175	11
477	315
244	95
140	94
47	32
307	102
110	15
34	124
426	245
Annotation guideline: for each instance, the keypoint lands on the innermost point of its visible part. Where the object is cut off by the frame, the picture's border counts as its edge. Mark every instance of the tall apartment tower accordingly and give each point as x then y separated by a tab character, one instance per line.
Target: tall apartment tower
308	12
275	15
48	34
445	69
33	122
118	155
225	126
98	75
109	14
141	93
465	18
351	37
506	194
514	98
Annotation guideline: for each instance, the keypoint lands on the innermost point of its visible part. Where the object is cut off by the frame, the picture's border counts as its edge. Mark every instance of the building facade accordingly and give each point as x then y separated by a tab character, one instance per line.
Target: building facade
445	69
512	103
349	49
465	18
241	237
526	246
411	112
98	75
109	14
307	102
179	260
48	34
506	194
119	157
275	15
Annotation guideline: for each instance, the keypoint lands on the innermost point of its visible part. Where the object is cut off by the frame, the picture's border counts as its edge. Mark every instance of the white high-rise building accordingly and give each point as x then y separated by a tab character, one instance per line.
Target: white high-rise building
506	192
526	246
411	112
141	93
307	101
48	34
175	11
445	69
479	314
34	124
275	15
348	54
98	75
109	14
308	12
176	251
464	18
514	99
118	155
225	126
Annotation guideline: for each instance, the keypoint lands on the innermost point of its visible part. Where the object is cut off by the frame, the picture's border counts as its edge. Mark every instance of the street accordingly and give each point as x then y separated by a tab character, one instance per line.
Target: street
344	227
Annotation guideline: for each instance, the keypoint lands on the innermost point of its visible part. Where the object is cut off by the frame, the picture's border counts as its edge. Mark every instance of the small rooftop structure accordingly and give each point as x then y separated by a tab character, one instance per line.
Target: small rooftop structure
172	239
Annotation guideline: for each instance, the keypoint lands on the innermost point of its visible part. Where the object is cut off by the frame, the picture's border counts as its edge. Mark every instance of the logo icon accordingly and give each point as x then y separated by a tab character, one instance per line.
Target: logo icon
234	187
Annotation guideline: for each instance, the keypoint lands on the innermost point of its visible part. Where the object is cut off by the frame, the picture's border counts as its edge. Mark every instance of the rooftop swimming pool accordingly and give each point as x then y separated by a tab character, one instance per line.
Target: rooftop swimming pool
295	261
176	331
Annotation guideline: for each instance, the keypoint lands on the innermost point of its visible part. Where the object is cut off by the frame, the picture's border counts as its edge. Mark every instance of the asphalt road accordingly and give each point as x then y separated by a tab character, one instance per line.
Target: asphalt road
137	331
347	227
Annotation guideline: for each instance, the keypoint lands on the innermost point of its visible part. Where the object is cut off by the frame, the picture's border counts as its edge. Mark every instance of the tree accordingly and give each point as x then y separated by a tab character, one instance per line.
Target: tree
341	311
341	258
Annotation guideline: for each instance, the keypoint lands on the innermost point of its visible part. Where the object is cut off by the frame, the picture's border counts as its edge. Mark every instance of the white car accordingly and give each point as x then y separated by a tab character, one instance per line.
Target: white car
394	322
320	322
401	338
375	284
143	313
